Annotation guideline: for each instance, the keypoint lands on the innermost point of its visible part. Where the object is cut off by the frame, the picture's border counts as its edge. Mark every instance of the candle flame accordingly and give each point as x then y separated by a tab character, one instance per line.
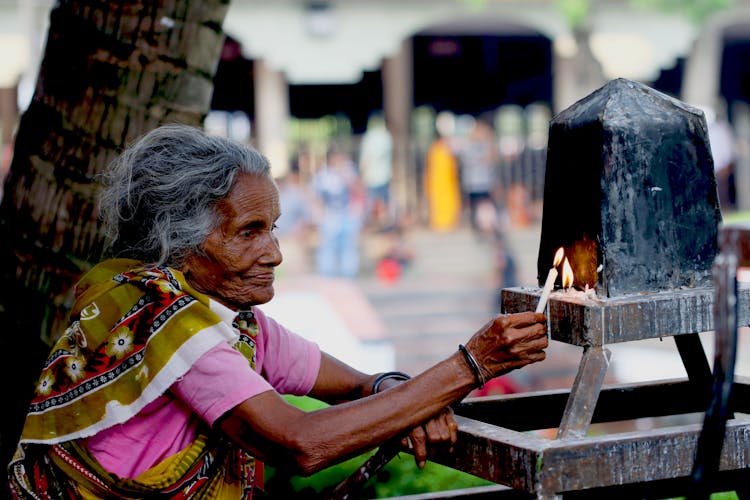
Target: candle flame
567	274
558	257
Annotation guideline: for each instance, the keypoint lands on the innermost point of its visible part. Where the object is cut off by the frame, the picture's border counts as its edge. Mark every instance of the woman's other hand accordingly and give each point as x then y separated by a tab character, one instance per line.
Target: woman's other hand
434	437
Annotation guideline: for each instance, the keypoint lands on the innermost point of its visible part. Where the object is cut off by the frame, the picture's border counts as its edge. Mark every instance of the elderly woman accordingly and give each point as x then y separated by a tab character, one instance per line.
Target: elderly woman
169	380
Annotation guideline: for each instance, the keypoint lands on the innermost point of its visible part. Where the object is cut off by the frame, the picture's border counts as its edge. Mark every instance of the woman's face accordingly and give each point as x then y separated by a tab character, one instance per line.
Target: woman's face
241	254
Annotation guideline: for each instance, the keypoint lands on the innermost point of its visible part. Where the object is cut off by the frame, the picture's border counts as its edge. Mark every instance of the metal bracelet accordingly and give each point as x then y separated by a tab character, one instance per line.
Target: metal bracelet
473	365
385	376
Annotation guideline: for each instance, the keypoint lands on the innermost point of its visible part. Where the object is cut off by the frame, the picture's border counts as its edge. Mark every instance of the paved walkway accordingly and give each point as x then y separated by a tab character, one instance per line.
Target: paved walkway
450	291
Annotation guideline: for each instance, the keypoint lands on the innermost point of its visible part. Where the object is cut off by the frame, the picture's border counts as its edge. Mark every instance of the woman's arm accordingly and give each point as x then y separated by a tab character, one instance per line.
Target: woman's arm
338	382
270	428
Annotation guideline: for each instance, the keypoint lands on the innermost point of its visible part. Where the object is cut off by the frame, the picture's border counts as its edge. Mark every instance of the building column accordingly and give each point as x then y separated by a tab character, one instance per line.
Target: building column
741	125
8	120
702	87
272	116
398	101
700	84
8	114
577	74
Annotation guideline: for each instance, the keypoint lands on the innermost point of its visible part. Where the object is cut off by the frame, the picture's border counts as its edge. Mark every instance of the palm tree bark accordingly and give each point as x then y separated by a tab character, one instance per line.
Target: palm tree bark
111	71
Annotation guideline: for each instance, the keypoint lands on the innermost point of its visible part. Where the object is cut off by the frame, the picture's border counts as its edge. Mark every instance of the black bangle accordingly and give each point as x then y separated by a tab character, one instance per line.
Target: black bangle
385	376
473	365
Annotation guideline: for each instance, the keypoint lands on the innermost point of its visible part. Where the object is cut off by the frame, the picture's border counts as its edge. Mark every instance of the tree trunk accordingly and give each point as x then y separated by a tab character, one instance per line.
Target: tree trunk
111	71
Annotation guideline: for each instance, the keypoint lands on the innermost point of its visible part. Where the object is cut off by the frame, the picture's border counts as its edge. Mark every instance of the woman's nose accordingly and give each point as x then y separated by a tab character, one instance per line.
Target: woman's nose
272	250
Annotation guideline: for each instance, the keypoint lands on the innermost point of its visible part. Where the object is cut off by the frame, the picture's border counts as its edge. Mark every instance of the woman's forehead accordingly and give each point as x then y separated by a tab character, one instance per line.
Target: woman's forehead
251	193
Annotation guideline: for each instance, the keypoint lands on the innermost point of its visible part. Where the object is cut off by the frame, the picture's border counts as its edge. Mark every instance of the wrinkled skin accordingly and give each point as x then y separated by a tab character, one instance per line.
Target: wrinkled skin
243	252
508	342
237	269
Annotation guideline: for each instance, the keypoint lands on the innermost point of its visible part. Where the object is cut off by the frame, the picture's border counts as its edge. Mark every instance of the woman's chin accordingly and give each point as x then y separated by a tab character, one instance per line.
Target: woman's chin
261	295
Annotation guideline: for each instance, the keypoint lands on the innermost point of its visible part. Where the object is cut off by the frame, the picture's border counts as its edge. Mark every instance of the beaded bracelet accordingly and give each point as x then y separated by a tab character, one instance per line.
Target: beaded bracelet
385	376
473	365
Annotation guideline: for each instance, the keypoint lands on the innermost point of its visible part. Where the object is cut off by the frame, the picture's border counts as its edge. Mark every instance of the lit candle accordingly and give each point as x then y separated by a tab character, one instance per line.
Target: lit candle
550	283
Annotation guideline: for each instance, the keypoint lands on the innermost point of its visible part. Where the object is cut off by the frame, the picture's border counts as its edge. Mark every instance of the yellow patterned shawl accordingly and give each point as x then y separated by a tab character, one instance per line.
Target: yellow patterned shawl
134	331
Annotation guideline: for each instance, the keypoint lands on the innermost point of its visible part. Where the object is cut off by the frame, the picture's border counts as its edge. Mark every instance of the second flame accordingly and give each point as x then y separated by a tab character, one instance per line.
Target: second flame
567	274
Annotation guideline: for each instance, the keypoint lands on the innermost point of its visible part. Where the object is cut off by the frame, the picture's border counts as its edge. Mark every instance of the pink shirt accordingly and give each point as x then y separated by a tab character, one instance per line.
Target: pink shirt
217	382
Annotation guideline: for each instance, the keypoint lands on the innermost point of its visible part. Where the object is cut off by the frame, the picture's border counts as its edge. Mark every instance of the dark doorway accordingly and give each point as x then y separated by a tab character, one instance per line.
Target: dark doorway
474	74
233	82
234	90
669	80
735	67
356	101
460	73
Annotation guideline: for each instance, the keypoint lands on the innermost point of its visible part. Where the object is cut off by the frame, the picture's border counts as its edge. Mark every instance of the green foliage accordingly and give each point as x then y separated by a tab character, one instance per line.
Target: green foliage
736	217
697	10
400	477
716	496
575	11
475	5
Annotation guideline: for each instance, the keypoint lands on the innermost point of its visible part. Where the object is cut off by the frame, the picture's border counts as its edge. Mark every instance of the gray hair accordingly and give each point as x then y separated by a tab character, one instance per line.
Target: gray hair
160	195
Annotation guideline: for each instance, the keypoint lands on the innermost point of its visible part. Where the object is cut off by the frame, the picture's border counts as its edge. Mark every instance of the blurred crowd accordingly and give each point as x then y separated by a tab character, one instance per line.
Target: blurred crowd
471	177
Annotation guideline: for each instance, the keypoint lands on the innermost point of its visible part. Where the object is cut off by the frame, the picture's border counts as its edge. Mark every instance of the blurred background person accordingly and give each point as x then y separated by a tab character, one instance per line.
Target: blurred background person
340	208
478	160
376	168
294	226
721	138
397	256
441	181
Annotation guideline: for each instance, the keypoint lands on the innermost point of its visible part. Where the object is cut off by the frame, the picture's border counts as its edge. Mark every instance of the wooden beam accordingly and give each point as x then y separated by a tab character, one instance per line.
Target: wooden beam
546	467
585	320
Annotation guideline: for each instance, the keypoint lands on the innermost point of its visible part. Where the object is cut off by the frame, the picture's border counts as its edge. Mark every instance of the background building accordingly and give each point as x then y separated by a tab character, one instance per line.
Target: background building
296	72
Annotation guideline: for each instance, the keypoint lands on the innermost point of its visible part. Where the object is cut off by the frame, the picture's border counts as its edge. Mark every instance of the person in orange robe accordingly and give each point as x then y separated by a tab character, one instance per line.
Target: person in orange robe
442	188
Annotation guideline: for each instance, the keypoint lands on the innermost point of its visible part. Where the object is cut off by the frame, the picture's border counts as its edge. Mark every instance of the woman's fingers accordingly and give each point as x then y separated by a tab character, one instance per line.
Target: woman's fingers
527	318
510	341
442	428
418	438
434	436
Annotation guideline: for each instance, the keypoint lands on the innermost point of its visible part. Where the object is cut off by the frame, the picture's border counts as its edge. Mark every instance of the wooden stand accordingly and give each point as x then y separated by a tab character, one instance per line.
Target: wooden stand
496	439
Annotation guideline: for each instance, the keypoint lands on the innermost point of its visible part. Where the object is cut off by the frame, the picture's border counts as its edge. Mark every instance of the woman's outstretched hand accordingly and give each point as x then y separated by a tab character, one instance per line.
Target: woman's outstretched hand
508	342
